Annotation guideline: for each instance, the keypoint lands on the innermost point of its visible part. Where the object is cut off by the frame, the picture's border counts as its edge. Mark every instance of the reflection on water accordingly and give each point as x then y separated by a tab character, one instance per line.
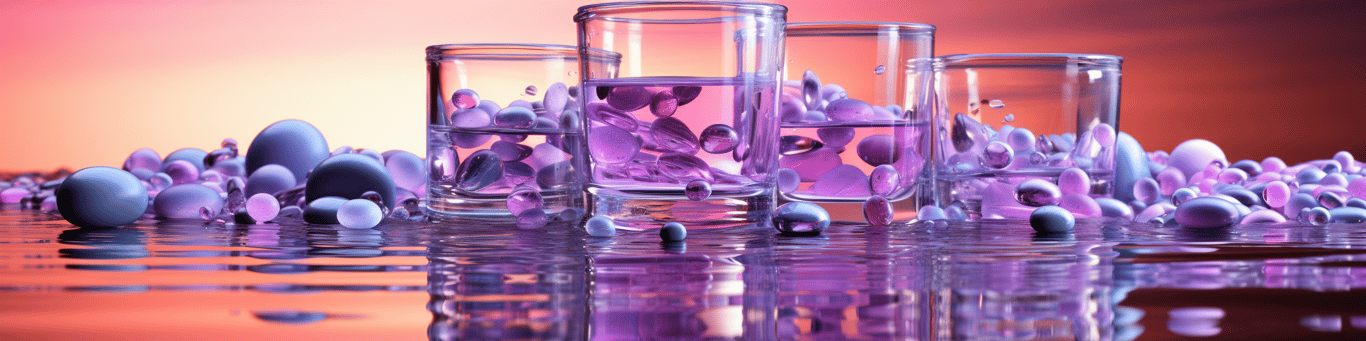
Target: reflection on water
471	281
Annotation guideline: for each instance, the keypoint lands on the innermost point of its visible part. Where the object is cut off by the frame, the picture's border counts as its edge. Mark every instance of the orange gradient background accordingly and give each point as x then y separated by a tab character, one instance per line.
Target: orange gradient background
84	83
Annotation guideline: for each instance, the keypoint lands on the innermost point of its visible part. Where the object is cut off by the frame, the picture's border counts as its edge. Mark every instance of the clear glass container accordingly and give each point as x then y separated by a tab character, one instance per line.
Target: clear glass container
502	119
1007	118
854	116
686	131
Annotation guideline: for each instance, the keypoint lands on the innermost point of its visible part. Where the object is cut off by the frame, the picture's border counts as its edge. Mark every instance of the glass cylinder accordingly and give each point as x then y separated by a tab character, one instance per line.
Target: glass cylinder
854	116
502	129
1055	113
686	131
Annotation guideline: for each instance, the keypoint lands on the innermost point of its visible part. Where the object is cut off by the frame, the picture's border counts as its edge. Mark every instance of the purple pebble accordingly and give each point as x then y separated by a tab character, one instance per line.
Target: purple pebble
1195	155
673	135
532	219
605	113
842	181
1037	192
849	110
464	99
1080	205
1207	212
697	190
877	211
523	198
510	152
146	159
182	172
883	180
612	144
664	104
811	165
719	138
836	136
628	98
878	150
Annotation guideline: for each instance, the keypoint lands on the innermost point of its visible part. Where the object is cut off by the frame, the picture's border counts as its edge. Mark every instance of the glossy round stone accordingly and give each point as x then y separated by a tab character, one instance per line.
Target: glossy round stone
523	198
556	97
1113	208
556	175
842	181
349	176
877	150
1074	181
800	218
612	145
788	180
1131	164
515	117
628	98
1207	212
185	201
600	226
835	136
269	179
480	169
99	197
877	211
1020	139
193	155
407	169
718	139
1330	200
1181	195
464	99
811	88
673	232
686	93
883	180
998	155
1347	215
321	211
848	110
673	135
1317	216
532	219
791	109
1170	179
664	104
697	190
294	144
1052	219
1262	216
359	214
181	172
145	159
1147	191
1037	192
931	212
1194	155
684	166
263	207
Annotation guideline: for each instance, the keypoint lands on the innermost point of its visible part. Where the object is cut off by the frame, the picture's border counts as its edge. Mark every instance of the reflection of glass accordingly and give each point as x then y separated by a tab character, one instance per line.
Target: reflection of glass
1005	118
693	102
491	284
834	66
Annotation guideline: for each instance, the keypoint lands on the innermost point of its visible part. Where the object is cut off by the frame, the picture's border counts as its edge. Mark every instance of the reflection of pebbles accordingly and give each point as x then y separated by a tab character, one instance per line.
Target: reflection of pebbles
1322	323
1195	321
297	316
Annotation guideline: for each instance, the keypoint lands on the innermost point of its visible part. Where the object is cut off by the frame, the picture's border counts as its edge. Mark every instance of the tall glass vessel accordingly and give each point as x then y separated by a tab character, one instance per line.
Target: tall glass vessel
686	130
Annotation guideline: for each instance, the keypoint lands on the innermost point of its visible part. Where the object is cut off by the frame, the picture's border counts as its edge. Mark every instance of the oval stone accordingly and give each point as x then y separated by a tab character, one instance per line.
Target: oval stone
294	144
185	201
1207	212
99	197
1052	219
1037	192
349	176
800	218
1194	155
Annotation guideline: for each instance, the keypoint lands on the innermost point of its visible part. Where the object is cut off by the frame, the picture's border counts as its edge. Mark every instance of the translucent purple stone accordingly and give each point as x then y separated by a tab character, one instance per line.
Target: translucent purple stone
1206	212
848	110
686	94
612	144
791	108
480	169
1037	192
877	150
719	138
263	207
1081	205
673	135
143	159
997	155
605	113
524	198
664	104
628	98
556	97
1074	180
800	218
471	118
359	214
464	99
182	172
1146	190
684	167
510	152
811	89
515	117
836	136
516	173
697	190
877	211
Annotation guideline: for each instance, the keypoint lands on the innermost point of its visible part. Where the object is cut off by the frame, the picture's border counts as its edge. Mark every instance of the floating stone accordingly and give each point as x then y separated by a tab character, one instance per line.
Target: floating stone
788	180
185	201
612	145
262	207
605	113
793	144
843	181
719	138
629	98
684	167
515	117
877	150
663	104
556	98
673	135
811	89
998	155
673	232
464	99
686	93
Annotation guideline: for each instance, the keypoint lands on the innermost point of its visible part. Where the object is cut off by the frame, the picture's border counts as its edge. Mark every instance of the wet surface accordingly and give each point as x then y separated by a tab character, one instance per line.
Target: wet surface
403	280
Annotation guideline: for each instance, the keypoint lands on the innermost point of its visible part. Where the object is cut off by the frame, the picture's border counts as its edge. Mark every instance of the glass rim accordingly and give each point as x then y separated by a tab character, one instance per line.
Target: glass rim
1028	59
856	28
604	11
513	51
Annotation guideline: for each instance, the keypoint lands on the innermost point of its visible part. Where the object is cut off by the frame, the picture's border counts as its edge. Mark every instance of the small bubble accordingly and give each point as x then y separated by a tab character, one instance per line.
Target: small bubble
531	90
1010	118
880	69
996	104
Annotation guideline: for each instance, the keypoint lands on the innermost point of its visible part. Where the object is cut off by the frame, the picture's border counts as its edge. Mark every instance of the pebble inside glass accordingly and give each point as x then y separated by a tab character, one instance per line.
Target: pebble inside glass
694	100
1003	119
854	115
503	120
